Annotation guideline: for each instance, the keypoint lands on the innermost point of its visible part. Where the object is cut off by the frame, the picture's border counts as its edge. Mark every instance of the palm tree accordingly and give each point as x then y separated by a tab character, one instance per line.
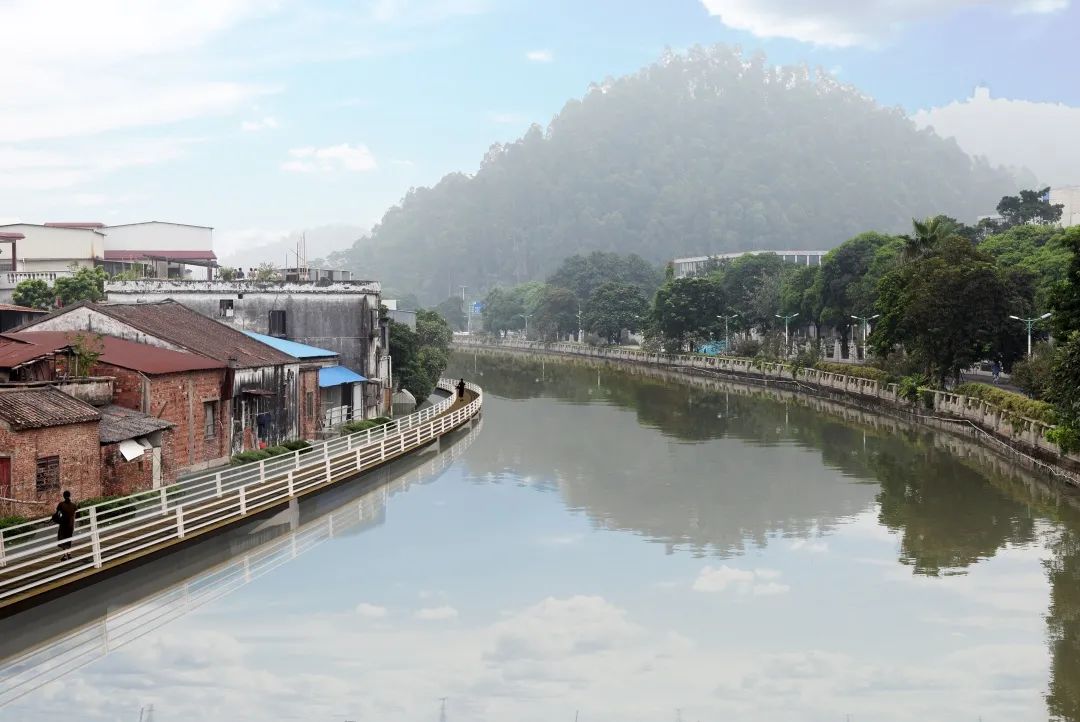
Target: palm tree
927	235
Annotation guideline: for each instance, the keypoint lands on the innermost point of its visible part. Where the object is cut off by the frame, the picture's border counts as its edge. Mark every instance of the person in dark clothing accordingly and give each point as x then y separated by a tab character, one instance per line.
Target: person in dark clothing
461	389
65	517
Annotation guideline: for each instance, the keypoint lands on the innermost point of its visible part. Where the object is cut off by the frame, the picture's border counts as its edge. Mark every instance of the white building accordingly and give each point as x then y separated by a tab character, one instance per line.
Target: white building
701	264
1069	197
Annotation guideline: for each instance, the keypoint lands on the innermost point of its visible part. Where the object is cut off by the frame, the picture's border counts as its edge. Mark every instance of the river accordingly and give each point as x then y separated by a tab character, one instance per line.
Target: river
601	546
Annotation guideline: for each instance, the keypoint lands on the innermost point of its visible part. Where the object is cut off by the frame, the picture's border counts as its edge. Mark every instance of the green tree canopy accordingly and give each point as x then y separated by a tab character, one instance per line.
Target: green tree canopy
685	311
613	308
556	314
87	284
34	293
845	285
946	310
453	310
583	274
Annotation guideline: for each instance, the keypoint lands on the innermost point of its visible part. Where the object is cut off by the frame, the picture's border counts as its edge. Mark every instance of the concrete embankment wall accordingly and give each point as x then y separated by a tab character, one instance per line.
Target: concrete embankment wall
1019	437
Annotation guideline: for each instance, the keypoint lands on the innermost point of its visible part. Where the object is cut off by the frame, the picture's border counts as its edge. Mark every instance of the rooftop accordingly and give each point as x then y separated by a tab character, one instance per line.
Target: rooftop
297	350
118	424
43	407
337	375
75	224
7	236
114	351
178	324
21	309
167	287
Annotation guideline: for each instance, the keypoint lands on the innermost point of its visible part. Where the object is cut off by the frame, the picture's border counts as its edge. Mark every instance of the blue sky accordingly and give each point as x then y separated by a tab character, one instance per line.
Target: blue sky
263	117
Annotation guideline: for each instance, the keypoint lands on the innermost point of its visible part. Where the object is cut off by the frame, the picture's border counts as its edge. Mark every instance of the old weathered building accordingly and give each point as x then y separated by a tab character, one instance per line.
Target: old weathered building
181	388
262	385
342	317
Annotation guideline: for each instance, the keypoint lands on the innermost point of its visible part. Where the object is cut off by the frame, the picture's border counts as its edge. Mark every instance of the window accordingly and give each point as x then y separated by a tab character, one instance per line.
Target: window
225	308
209	420
309	404
48	473
277	323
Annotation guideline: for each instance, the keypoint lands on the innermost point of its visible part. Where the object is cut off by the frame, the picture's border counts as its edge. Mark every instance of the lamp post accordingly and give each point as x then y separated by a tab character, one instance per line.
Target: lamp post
580	330
787	344
864	321
526	317
1030	322
727	332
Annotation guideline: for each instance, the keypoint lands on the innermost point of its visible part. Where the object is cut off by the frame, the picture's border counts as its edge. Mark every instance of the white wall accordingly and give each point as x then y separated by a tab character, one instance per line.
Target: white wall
1070	198
158	236
53	249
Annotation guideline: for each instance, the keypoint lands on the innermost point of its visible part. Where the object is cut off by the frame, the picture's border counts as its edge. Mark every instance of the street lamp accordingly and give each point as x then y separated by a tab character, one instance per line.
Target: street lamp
580	330
727	333
864	321
1029	322
526	317
787	344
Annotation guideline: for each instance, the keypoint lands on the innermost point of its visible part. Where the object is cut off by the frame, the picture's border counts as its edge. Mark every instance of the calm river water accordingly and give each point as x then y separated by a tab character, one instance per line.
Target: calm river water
601	547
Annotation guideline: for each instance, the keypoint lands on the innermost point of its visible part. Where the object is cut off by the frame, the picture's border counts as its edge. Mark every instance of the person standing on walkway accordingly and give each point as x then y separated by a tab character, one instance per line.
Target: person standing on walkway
461	389
64	516
995	369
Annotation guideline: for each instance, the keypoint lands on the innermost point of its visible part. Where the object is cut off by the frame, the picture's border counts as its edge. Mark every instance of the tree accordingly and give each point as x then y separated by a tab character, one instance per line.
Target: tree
432	329
946	310
453	310
584	274
1065	297
752	285
842	288
556	314
34	293
503	311
685	312
87	284
613	308
226	273
420	356
1029	207
926	236
266	272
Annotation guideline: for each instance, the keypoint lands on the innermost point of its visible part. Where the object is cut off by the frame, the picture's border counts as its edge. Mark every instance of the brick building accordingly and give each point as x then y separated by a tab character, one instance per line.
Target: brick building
184	389
262	384
48	443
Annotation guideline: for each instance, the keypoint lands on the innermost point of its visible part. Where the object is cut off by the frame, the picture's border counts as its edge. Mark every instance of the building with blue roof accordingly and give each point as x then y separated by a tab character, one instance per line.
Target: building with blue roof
340	393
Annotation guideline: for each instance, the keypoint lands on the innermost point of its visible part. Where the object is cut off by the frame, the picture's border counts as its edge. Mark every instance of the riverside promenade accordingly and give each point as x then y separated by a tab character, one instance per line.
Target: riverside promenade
121	532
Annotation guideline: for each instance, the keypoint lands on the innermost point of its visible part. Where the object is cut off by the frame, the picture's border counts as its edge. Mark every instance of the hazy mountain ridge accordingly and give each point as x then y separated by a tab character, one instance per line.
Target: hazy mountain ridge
702	152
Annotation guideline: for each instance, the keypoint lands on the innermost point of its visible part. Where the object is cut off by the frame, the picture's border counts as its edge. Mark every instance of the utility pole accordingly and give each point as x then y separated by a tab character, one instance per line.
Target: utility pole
1029	322
442	710
463	293
727	332
580	331
787	343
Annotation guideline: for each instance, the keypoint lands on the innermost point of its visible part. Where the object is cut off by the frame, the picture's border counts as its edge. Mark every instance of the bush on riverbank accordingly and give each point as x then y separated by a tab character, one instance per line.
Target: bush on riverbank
1009	401
863	372
6	521
363	425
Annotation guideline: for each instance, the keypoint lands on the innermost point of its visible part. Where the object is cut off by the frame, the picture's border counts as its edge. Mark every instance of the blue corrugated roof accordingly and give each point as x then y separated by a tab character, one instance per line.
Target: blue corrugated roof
294	349
335	375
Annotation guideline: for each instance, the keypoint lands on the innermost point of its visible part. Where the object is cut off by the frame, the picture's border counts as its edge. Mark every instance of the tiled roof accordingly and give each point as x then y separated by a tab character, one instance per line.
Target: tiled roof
297	350
41	407
24	309
16	353
118	424
115	351
75	224
178	324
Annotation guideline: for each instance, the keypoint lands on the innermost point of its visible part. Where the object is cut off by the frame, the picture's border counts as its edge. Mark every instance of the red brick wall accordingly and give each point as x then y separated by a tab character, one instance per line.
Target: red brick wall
119	476
309	422
127	386
80	464
179	398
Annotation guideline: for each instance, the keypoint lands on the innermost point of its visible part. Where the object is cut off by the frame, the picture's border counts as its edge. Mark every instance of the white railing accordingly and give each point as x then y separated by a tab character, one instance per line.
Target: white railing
11	279
125	527
336	416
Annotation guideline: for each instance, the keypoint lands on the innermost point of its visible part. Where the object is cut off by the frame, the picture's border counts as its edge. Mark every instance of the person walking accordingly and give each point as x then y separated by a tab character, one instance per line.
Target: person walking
995	369
64	516
461	389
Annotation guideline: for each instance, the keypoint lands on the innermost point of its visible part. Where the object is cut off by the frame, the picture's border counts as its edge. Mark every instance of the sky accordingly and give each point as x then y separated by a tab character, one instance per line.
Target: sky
262	118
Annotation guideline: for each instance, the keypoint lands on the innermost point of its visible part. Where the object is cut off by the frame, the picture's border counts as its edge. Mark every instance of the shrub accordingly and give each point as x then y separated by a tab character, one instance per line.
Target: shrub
247	457
277	450
862	372
747	347
1033	374
1066	437
6	521
380	420
362	425
1008	401
297	445
908	387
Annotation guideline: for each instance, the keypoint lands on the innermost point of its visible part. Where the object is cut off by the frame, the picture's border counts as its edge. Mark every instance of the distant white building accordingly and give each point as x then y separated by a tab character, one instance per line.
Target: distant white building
695	265
1069	197
47	251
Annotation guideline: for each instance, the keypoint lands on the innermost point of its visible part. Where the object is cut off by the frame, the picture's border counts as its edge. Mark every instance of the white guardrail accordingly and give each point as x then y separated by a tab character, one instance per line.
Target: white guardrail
105	532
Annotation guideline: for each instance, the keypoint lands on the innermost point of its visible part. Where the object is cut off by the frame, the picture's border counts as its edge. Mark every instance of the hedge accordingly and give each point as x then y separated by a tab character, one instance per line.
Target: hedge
1009	401
862	372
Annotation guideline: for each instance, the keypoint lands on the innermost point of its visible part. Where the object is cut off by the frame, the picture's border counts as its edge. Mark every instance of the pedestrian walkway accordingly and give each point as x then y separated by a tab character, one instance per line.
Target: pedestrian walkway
153	522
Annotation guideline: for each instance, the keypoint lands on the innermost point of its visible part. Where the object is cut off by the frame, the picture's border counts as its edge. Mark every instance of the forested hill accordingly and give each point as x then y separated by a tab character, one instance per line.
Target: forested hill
703	152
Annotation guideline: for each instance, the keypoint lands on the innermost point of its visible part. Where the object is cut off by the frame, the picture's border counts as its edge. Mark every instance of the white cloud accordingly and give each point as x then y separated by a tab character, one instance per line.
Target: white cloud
370	611
253	126
984	125
809	545
842	23
437	613
540	56
23	168
329	159
756	582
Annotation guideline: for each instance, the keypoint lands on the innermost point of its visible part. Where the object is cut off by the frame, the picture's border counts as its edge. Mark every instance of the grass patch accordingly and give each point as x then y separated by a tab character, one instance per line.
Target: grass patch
1009	401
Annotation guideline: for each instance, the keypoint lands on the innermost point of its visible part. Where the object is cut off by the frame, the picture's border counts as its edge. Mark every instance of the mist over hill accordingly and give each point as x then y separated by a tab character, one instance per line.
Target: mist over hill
701	152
